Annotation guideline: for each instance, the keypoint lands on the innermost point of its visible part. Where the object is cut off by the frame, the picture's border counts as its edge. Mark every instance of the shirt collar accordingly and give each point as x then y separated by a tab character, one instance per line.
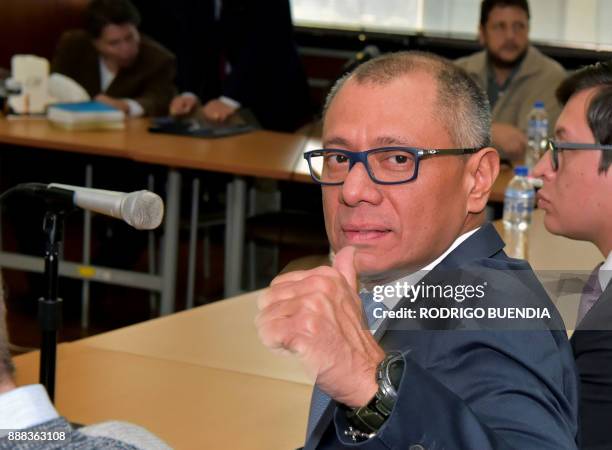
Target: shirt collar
415	277
106	76
25	407
605	272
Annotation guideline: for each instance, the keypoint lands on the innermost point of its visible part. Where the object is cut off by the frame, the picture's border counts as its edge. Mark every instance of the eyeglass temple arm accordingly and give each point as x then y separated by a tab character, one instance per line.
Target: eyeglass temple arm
452	151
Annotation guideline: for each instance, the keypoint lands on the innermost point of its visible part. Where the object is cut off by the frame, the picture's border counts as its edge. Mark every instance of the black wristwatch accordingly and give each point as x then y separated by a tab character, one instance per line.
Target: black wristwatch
368	419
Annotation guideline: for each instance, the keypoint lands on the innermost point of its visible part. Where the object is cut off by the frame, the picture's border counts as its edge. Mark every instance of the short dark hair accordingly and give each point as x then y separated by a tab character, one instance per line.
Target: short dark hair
101	13
464	108
599	113
487	6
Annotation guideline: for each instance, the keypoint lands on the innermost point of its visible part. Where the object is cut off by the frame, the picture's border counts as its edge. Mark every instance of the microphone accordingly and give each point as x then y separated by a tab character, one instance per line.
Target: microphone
144	210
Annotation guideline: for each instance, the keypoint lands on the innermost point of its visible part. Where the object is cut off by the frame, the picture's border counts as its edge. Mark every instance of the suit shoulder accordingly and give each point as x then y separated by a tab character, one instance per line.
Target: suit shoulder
471	62
75	39
510	282
548	66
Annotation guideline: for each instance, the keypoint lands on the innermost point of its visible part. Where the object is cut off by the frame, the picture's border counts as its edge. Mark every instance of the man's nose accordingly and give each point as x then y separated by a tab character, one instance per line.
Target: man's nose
543	168
359	187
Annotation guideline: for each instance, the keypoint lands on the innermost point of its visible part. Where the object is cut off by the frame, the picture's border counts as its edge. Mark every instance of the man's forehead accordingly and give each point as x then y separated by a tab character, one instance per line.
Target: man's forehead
501	12
388	91
113	31
573	116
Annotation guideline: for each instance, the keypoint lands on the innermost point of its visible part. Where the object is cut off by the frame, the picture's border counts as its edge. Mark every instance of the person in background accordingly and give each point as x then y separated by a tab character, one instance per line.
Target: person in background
251	61
115	63
513	73
577	199
28	409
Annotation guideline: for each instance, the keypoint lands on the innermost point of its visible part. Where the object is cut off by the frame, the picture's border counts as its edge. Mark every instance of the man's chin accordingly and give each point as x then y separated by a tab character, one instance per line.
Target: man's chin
124	64
552	224
506	61
369	265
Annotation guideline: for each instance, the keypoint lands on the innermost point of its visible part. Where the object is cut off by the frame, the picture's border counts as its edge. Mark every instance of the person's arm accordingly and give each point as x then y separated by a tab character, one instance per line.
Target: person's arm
220	109
159	90
118	103
507	401
509	140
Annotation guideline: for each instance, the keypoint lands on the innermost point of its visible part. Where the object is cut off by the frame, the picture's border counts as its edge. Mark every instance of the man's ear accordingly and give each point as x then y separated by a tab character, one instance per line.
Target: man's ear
482	170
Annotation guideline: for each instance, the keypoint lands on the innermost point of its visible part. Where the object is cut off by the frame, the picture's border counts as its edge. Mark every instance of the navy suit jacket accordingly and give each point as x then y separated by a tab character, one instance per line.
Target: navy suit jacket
592	345
475	384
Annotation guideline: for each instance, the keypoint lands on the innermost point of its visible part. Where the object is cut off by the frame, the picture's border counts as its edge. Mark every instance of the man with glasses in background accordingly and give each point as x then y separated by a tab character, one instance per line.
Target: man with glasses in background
513	73
577	198
406	172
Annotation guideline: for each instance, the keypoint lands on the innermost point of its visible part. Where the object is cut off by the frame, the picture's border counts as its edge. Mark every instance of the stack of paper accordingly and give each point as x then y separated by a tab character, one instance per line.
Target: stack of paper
86	116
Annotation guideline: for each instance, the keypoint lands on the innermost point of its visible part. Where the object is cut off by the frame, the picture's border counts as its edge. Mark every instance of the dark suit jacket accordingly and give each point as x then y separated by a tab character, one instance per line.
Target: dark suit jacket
592	345
477	384
149	80
266	73
255	38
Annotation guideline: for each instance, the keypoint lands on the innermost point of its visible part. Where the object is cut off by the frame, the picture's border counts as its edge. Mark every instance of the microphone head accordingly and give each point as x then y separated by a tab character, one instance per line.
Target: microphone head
144	210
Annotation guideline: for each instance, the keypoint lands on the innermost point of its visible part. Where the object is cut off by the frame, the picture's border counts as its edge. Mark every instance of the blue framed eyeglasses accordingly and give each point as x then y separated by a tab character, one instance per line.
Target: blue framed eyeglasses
385	165
556	147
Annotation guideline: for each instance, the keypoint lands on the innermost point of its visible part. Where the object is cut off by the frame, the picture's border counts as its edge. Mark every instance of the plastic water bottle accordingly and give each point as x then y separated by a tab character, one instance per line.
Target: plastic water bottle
519	200
537	134
518	208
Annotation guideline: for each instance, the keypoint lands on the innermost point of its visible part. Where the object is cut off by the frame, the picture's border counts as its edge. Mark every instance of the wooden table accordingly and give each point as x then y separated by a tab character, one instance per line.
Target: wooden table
221	335
198	379
258	154
264	154
562	265
190	406
548	252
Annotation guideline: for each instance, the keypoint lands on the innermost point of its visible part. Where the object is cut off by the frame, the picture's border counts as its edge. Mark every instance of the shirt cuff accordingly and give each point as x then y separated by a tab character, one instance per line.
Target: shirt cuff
230	102
136	109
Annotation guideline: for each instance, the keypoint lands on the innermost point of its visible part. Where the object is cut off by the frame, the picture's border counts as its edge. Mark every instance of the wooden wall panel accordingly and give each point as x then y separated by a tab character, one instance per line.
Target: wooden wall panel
34	26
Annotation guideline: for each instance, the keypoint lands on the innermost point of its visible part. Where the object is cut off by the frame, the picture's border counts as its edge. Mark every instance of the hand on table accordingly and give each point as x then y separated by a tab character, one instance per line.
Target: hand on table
317	315
217	111
114	102
182	105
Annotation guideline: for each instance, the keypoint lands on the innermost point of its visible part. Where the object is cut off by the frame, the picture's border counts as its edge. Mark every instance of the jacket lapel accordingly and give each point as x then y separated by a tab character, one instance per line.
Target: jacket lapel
599	317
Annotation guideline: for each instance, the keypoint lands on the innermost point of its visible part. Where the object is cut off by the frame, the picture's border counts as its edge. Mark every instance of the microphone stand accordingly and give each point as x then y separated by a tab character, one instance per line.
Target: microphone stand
50	306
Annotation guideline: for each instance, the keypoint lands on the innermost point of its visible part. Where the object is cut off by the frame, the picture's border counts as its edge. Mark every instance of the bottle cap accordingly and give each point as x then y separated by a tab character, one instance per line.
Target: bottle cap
521	171
539	104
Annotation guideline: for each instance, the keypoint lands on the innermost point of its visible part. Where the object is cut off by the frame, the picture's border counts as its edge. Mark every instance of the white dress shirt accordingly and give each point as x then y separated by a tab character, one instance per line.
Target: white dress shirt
25	407
605	272
415	277
106	78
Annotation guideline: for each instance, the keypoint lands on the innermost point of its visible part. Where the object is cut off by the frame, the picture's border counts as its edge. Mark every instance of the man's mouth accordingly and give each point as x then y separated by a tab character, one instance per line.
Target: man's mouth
357	234
543	201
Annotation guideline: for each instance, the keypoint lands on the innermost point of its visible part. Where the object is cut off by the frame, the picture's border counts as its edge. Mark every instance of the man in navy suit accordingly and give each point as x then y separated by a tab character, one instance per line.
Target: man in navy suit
406	172
577	198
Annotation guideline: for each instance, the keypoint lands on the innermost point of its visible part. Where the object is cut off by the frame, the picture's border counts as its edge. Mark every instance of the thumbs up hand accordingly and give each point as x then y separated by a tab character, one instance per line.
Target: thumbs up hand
317	315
